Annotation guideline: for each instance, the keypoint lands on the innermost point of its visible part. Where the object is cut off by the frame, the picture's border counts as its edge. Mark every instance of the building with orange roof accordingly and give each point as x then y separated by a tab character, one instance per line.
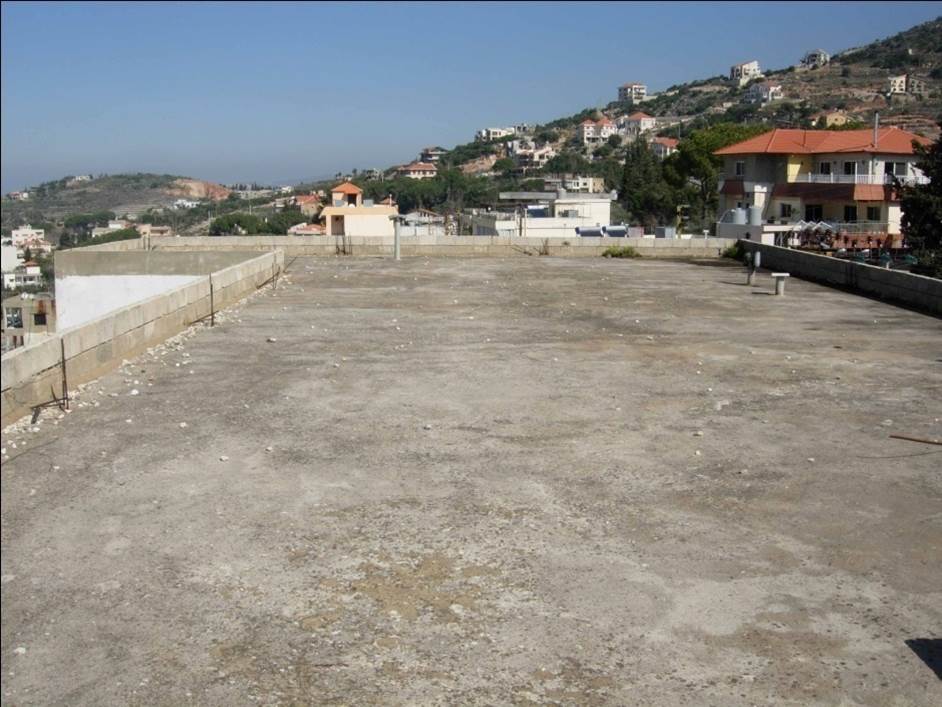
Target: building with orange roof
664	146
595	132
636	124
417	170
846	178
349	214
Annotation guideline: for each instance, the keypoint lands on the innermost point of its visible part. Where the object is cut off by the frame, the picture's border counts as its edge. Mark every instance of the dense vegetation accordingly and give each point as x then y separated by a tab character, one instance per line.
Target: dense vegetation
922	212
242	223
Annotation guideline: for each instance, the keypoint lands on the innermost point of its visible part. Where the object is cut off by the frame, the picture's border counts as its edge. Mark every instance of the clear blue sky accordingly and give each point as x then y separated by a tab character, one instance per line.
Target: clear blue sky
275	92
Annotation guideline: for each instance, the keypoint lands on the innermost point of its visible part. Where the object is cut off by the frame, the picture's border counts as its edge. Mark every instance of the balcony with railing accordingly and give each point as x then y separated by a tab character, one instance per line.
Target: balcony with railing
876	179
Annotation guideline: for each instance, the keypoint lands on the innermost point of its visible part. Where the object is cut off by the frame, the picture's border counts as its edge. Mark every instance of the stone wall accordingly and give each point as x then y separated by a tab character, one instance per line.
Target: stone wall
484	246
917	291
32	375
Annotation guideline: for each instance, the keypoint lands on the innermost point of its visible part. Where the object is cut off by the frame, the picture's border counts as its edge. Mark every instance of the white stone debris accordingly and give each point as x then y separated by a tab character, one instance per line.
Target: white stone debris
135	391
271	340
268	449
182	425
223	458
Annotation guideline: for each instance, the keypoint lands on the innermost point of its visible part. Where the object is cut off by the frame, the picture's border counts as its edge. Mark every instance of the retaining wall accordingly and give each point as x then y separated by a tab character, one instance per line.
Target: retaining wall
32	375
486	246
893	285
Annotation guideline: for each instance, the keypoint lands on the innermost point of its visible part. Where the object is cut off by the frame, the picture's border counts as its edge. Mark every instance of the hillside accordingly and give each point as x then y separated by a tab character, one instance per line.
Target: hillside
120	193
854	82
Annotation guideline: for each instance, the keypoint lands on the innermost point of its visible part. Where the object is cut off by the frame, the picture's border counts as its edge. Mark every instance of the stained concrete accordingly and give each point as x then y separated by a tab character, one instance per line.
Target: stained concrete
484	487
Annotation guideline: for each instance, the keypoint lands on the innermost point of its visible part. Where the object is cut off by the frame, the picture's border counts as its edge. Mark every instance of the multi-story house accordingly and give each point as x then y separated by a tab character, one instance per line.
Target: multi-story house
845	178
664	146
488	134
595	132
527	155
574	183
763	92
432	154
26	233
637	123
896	84
26	275
741	74
634	92
916	85
417	170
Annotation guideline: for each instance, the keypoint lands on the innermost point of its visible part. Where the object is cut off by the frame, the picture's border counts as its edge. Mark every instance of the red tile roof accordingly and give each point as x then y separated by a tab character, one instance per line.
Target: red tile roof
418	167
346	188
666	141
307	199
811	142
638	115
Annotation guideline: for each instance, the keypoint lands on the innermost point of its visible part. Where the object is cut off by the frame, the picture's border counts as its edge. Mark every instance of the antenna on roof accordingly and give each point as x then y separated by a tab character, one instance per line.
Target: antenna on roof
876	128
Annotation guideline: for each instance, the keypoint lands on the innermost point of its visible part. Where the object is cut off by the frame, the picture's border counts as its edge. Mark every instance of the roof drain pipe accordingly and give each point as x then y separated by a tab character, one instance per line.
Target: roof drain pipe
876	129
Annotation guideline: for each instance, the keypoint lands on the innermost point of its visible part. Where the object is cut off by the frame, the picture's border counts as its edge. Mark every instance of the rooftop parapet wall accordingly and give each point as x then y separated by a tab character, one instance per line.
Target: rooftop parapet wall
458	246
32	375
917	291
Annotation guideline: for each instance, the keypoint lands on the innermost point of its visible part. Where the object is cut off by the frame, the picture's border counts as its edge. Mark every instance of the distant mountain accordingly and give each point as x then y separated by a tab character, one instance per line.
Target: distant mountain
120	193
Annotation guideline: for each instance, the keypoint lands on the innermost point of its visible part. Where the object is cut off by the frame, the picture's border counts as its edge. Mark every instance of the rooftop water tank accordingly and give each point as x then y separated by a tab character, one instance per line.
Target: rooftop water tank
615	231
739	217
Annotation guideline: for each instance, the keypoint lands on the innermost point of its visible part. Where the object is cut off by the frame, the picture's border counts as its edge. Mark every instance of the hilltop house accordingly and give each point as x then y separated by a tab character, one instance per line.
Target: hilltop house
815	59
829	119
32	238
526	155
845	178
634	92
113	225
741	74
763	92
432	154
417	170
896	84
26	275
349	215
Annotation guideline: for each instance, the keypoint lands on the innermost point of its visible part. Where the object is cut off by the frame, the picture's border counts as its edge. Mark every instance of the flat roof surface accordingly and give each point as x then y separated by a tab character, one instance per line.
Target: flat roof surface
491	481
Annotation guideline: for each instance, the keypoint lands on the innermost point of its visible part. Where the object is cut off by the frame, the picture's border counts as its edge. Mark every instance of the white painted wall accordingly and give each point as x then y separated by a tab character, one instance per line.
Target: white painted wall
81	298
9	260
367	225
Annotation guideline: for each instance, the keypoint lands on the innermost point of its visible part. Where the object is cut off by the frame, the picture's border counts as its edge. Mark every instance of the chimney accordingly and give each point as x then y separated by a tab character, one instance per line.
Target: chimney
876	129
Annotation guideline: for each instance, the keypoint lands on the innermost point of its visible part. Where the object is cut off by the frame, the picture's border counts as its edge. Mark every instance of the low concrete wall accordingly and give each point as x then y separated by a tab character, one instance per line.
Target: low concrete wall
88	261
894	285
32	375
490	246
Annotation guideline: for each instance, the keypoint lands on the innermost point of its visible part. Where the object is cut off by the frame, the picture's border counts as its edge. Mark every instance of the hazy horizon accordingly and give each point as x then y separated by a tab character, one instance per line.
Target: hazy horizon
280	92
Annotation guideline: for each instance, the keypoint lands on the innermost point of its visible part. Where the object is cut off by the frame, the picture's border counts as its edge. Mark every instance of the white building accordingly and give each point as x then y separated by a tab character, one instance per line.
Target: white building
636	124
190	204
10	258
664	146
488	134
545	215
432	154
574	183
26	275
763	92
741	74
527	155
595	132
896	84
634	92
19	195
113	225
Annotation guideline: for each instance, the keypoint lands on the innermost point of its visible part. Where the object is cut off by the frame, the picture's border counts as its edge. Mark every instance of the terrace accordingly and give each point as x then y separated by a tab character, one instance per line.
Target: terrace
489	481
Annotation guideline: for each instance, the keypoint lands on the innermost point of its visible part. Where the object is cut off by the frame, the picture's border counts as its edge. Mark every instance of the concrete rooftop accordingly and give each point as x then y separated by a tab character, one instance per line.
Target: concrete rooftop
515	481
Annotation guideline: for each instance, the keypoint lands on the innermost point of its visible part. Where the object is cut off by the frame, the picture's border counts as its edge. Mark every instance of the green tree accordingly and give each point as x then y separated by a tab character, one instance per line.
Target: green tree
696	164
644	193
504	165
922	210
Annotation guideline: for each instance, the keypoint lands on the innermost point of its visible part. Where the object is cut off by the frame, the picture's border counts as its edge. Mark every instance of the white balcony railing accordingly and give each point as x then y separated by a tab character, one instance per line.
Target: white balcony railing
877	179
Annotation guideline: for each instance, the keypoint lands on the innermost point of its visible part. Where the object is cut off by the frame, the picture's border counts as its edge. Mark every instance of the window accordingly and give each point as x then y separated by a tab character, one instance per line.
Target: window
814	212
740	169
785	210
824	168
873	213
14	318
850	213
39	319
895	168
850	168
